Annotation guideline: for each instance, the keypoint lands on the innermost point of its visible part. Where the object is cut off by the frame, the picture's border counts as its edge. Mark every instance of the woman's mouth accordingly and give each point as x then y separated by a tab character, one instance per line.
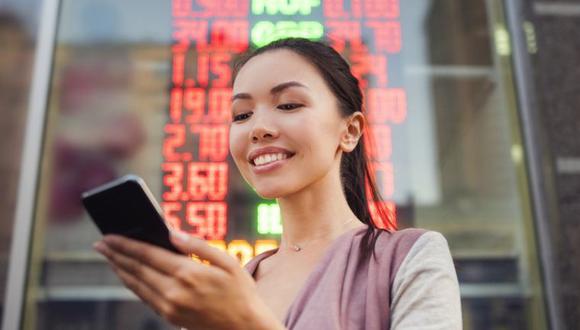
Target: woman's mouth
269	162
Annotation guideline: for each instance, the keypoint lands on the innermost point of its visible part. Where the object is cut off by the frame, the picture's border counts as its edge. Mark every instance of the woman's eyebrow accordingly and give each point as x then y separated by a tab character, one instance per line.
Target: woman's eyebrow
275	90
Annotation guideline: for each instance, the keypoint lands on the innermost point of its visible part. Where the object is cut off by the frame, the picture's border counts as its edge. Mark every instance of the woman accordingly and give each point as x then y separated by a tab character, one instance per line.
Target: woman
296	135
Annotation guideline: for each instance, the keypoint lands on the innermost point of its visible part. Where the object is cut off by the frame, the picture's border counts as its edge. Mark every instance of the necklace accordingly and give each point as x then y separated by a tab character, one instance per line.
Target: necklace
299	247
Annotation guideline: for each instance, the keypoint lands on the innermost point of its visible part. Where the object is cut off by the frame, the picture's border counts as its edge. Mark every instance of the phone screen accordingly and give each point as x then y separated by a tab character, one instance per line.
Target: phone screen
126	207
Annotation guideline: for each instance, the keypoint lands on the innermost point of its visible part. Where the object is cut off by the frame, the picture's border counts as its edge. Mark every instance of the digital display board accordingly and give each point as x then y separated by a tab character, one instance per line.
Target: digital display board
207	35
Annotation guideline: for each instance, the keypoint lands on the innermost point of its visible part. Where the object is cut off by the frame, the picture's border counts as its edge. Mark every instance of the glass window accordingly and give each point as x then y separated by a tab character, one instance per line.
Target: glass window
18	20
144	88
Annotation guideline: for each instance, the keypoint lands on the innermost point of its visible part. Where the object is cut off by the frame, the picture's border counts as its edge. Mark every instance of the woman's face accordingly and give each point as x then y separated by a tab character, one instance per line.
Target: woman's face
280	100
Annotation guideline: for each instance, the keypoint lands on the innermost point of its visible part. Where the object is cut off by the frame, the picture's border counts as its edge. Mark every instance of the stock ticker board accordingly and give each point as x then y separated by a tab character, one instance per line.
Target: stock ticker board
207	37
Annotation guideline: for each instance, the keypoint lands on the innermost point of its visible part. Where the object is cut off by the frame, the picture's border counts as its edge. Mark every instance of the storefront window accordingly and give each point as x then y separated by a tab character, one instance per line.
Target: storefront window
18	19
144	88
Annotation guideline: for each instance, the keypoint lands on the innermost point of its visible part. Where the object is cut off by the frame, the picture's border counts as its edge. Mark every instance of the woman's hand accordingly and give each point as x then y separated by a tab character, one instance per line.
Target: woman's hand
188	293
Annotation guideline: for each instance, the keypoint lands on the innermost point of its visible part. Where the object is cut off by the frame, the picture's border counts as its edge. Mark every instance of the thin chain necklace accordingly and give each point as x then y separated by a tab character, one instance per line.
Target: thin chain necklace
300	247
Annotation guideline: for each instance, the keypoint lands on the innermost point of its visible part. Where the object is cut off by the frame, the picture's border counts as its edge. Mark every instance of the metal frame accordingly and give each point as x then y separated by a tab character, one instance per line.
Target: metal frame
531	138
29	170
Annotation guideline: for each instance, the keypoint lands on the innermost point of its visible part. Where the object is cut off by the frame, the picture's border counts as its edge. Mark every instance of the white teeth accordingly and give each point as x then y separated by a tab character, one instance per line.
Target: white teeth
265	159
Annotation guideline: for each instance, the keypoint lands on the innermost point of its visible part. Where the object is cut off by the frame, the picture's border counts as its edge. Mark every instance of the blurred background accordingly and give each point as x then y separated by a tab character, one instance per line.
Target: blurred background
473	106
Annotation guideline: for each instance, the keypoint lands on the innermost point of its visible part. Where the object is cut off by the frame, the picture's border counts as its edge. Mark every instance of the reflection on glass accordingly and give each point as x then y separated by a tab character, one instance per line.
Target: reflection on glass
145	89
16	53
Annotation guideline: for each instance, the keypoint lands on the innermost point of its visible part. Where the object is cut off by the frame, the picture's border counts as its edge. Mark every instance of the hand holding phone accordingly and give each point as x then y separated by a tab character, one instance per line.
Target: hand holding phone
126	206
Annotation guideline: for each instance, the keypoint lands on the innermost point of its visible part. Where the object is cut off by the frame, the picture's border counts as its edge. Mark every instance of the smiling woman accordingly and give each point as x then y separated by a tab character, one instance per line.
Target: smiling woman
296	136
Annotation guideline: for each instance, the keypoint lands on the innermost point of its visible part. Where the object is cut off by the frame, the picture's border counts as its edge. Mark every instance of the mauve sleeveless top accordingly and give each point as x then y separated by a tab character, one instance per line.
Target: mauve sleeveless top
339	295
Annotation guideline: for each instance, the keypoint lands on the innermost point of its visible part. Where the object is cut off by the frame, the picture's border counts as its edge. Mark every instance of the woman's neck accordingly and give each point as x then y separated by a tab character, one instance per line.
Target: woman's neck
319	212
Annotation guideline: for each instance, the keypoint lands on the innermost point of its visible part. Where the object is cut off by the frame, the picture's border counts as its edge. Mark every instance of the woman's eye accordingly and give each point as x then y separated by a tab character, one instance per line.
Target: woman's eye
289	106
241	117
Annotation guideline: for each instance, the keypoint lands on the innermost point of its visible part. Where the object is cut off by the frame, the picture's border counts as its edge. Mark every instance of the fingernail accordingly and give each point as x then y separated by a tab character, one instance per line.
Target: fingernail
99	246
180	236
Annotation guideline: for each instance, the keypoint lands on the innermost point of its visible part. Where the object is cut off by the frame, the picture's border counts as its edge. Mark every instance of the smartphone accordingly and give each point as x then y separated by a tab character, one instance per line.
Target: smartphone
125	206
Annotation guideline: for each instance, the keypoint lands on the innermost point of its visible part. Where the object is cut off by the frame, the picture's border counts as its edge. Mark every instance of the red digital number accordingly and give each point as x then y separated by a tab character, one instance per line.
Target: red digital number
194	103
370	8
207	181
387	36
234	8
175	104
340	32
185	31
173	179
178	65
213	142
381	8
181	8
382	142
386	105
389	9
366	64
229	35
218	64
202	68
175	139
169	214
207	219
210	8
220	100
220	67
336	9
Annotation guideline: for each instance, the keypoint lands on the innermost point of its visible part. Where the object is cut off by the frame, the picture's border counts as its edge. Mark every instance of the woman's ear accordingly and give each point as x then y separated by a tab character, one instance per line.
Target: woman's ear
355	125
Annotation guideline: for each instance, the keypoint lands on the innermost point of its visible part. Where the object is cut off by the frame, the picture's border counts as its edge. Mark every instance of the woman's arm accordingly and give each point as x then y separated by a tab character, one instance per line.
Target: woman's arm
425	293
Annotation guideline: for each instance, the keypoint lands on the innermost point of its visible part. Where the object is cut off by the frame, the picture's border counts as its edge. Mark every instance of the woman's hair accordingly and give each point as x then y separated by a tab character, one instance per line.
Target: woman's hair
355	169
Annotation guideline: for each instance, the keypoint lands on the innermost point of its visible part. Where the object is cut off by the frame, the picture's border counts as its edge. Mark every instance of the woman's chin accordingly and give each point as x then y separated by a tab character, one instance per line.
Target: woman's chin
271	192
268	194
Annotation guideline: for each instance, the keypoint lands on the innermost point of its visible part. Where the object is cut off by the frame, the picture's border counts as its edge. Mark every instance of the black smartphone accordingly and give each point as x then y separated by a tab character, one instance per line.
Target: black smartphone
125	206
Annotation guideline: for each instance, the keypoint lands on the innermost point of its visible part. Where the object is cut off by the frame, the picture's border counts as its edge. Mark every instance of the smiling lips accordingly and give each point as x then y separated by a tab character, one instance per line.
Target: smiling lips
269	158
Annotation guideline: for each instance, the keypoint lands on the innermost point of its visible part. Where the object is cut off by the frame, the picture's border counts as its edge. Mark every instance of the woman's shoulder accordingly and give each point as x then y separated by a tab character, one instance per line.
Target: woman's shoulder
425	286
430	245
398	240
410	237
405	245
420	251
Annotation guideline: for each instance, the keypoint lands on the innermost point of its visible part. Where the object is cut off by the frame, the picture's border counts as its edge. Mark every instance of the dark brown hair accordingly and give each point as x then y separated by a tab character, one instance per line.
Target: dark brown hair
355	170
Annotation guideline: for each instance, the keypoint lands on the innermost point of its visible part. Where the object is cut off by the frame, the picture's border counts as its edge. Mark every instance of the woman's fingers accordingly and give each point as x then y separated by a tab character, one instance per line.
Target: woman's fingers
169	262
150	277
181	290
142	290
153	256
168	305
189	244
152	264
137	278
163	293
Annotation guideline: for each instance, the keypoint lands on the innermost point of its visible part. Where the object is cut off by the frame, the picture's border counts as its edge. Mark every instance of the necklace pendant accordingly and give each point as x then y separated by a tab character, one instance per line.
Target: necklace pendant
297	248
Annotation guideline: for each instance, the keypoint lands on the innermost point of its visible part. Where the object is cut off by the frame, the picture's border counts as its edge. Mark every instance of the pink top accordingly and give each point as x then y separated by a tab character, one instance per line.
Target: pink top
338	295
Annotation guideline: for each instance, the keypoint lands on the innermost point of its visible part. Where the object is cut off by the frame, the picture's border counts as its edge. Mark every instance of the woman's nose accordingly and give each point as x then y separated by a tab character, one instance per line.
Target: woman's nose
262	130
